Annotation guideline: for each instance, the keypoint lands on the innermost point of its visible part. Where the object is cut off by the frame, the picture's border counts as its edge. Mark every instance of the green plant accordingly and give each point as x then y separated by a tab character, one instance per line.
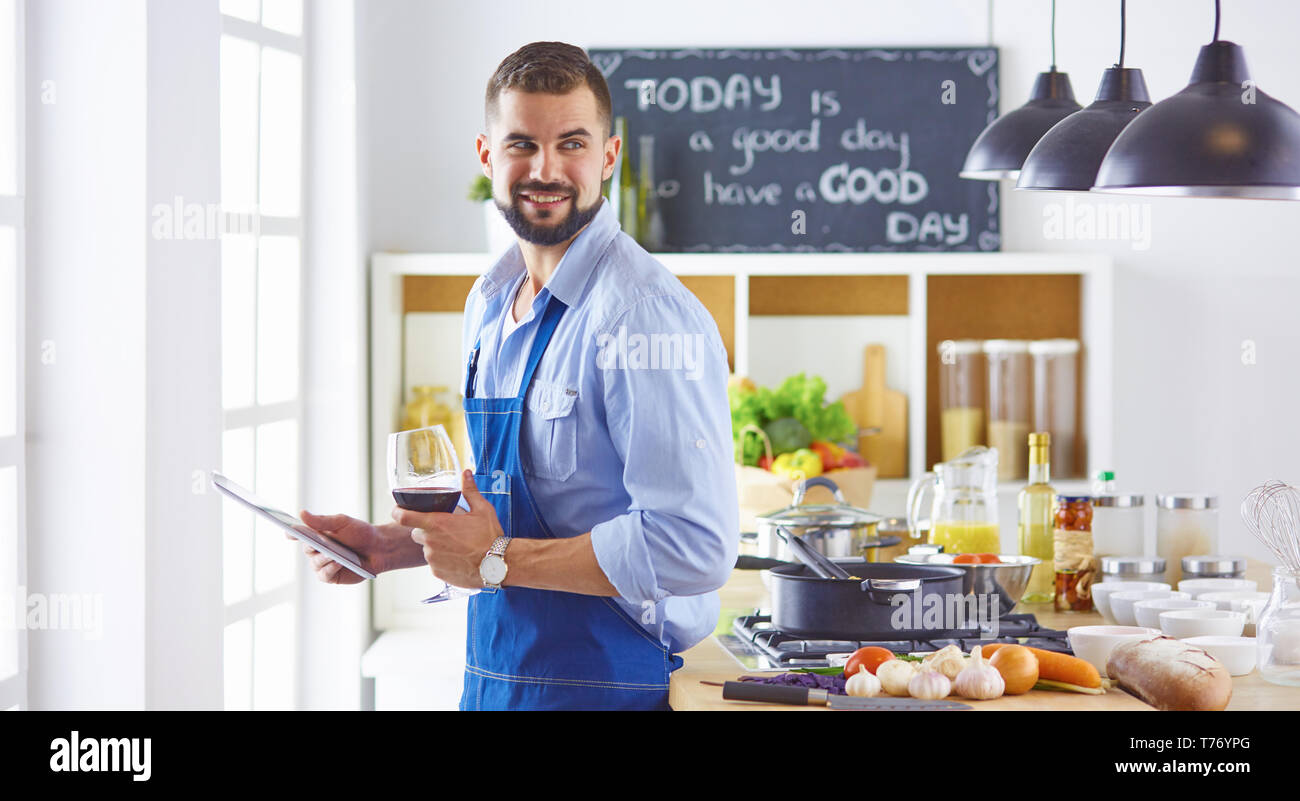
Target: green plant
480	189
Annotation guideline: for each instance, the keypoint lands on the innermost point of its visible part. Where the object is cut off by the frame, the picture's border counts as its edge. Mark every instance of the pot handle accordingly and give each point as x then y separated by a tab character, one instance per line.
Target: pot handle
801	489
882	591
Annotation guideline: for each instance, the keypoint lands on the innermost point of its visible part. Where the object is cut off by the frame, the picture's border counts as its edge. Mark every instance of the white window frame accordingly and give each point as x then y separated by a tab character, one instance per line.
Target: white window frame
258	414
13	690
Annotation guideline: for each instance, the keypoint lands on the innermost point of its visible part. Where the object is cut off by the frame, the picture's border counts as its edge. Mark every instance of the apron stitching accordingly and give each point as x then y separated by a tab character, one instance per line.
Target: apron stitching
566	682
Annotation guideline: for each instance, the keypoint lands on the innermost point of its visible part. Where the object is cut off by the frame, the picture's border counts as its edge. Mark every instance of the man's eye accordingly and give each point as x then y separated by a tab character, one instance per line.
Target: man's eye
519	145
576	144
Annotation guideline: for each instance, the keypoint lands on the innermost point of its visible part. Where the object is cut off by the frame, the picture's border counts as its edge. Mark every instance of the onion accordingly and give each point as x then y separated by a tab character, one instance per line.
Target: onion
1018	666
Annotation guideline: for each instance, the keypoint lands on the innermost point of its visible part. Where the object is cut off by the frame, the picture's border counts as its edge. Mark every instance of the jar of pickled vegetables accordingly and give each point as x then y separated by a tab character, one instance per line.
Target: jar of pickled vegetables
1076	566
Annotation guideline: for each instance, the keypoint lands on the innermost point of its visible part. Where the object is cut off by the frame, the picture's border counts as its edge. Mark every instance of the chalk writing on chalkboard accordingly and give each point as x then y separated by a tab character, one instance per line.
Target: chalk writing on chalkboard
812	150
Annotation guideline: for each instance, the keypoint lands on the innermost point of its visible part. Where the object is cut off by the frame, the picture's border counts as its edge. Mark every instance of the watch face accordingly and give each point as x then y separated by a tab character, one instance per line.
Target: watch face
492	569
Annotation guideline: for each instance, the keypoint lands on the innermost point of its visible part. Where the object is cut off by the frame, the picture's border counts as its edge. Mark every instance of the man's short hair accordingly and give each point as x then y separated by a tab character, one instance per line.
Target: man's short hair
553	68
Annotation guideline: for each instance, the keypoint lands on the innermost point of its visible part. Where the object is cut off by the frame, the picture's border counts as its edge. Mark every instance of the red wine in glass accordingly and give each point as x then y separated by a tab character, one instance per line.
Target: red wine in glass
427	499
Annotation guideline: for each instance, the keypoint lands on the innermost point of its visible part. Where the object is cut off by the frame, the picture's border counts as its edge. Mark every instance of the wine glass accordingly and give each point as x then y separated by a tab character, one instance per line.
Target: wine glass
424	475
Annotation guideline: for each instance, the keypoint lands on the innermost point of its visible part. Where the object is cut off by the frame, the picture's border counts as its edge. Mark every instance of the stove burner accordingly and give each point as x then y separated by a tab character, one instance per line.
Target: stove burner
758	637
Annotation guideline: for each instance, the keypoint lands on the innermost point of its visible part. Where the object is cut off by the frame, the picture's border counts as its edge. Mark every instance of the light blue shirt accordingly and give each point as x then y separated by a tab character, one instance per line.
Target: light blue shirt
626	430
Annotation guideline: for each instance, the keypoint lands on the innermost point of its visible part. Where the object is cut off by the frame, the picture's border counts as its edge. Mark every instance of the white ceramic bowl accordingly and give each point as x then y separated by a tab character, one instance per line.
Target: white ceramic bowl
1121	603
1197	587
1224	599
1185	623
1093	644
1237	654
1147	613
1101	593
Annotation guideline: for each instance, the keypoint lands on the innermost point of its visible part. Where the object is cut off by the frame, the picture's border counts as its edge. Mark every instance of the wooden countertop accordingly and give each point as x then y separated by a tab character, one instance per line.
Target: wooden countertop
709	661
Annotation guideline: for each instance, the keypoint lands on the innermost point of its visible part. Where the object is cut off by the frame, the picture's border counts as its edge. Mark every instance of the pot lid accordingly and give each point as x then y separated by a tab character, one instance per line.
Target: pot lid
821	515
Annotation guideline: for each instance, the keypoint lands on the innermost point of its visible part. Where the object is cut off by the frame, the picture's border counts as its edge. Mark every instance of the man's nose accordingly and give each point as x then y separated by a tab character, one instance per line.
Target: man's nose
545	167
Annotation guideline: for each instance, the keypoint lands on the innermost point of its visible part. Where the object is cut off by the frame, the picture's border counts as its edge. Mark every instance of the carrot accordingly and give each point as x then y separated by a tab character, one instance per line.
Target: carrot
1058	667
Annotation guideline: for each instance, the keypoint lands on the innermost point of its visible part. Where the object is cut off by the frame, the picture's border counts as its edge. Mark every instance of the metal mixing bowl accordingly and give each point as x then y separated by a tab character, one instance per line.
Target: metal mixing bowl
1007	580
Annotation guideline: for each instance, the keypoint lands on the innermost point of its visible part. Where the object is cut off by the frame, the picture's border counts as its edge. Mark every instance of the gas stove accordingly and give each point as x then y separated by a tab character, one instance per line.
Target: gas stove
758	645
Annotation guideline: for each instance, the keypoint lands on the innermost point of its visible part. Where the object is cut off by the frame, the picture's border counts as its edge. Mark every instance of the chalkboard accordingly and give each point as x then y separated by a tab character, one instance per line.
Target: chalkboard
811	150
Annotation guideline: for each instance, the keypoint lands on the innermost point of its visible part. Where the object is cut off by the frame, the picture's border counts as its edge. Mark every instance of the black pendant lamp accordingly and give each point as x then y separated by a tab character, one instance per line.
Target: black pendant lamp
1002	147
1219	137
1069	155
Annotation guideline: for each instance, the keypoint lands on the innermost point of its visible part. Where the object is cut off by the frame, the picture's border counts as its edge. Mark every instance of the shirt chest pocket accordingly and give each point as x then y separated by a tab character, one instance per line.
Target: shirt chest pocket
550	431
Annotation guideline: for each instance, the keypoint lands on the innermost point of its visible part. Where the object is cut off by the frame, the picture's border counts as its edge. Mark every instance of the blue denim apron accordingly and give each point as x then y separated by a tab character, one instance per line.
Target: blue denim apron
543	649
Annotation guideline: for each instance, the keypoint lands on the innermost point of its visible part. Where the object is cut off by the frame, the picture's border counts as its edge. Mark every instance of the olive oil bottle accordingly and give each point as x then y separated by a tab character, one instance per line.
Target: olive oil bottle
1035	505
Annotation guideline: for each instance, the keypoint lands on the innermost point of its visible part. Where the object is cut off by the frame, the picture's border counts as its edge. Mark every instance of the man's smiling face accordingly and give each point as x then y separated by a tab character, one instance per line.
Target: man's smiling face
547	155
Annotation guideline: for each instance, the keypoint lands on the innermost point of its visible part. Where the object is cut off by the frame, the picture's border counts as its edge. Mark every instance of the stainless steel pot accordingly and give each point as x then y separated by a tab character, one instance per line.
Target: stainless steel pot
837	530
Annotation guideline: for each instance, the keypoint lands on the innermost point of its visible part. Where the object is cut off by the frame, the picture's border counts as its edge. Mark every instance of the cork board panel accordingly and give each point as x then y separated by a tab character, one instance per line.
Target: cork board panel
436	293
718	294
1000	307
827	294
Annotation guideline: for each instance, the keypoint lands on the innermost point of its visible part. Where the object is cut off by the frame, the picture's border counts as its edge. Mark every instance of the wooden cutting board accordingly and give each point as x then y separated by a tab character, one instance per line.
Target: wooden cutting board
883	411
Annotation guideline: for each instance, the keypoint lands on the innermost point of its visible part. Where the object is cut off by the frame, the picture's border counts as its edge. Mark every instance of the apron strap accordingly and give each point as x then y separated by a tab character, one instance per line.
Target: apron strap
555	309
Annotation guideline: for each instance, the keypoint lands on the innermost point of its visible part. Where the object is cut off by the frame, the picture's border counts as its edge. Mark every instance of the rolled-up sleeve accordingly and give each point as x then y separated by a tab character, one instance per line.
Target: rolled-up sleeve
663	370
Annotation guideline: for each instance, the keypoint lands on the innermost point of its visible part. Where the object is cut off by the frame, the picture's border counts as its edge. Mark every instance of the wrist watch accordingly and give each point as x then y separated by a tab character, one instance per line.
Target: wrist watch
492	570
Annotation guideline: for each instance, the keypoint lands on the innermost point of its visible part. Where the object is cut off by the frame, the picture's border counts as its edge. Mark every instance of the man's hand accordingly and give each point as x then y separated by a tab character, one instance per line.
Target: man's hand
455	544
379	548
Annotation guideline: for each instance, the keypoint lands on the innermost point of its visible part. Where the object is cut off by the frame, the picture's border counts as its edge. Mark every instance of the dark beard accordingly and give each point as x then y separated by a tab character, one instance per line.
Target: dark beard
546	235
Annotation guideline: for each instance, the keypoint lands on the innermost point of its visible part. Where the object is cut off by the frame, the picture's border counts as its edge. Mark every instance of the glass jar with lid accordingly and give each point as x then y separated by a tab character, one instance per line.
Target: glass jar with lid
1132	568
1055	394
1187	524
1214	566
961	396
1076	567
1119	525
1010	389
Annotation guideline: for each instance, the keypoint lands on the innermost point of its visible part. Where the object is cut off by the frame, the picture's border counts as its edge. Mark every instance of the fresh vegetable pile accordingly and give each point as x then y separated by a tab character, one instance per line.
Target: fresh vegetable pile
801	426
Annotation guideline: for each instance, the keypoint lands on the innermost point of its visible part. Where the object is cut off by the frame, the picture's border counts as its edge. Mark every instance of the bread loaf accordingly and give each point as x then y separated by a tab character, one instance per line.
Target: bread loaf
1170	675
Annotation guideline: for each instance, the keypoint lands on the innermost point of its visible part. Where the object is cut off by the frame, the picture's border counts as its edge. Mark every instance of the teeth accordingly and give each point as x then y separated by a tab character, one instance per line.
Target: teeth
545	198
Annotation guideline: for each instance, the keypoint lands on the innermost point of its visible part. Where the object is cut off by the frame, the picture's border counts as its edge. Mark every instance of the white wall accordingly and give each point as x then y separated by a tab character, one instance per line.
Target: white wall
1189	415
86	308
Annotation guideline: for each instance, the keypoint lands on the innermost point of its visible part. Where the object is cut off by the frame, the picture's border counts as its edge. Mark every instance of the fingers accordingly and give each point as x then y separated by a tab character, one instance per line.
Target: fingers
469	489
420	536
323	522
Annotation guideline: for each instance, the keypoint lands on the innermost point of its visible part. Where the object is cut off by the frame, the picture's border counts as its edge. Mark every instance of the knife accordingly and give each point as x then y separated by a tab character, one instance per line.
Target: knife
806	696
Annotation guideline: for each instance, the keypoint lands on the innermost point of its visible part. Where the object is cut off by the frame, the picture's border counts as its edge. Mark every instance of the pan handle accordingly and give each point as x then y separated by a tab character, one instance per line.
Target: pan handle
882	591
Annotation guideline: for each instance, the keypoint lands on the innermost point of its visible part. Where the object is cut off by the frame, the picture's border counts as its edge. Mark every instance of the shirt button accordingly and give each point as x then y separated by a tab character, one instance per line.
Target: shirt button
699	443
545	404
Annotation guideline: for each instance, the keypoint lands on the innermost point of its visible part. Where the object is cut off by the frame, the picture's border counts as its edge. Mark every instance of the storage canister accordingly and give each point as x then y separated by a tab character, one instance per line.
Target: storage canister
1056	387
1010	388
1187	524
1132	568
961	396
1119	525
1214	566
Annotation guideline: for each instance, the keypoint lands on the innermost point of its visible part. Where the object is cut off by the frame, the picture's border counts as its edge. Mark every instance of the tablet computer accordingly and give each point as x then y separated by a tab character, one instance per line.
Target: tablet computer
296	528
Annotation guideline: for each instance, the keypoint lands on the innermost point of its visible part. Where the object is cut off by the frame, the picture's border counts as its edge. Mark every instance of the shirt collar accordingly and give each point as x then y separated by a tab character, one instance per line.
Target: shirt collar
571	274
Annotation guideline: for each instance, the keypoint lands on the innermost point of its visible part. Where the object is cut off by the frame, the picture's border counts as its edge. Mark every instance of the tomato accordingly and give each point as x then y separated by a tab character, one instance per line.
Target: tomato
976	559
872	656
988	559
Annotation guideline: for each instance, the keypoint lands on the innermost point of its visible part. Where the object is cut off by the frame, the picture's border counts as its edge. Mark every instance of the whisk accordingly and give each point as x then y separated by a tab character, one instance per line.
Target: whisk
1272	513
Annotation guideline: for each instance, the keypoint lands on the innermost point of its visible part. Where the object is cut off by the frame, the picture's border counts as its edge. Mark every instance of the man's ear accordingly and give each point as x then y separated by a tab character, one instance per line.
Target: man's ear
613	146
484	154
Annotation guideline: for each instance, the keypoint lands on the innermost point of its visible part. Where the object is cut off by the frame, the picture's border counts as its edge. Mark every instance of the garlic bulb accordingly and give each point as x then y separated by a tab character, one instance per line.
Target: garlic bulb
979	680
894	674
929	685
949	661
863	684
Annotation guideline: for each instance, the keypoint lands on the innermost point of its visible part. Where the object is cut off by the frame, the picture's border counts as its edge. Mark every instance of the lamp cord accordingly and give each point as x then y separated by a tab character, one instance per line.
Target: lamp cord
1054	35
1123	13
1217	11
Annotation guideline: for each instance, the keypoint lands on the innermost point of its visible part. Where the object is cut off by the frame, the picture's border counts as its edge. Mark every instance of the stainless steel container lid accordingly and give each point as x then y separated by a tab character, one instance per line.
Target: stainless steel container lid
1119	501
924	549
821	515
1214	563
1187	501
1132	565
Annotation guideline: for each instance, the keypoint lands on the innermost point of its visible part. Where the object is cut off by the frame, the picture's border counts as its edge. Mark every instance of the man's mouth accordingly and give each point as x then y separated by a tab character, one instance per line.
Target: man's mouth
544	201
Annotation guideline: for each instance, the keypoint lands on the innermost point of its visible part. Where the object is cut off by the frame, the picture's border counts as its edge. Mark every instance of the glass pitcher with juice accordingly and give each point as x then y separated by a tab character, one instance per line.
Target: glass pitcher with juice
964	515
